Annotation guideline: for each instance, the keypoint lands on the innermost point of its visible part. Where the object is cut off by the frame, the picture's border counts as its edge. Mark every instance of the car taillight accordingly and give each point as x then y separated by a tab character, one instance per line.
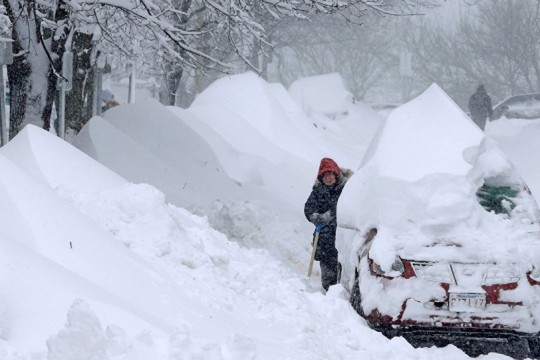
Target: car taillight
397	269
433	271
501	276
534	276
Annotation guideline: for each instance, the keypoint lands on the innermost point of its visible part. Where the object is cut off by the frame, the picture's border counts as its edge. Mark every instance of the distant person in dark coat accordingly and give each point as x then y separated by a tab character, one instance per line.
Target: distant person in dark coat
320	209
480	107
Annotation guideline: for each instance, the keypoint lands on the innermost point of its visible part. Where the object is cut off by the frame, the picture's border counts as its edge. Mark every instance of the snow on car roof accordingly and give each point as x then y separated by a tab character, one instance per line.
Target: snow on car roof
418	186
431	132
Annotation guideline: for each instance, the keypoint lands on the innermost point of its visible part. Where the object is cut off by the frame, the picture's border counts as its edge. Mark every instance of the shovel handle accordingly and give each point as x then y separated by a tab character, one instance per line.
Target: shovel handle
315	242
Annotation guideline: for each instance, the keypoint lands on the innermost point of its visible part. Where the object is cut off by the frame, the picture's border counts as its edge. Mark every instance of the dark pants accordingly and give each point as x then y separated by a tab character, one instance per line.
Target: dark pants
480	120
329	273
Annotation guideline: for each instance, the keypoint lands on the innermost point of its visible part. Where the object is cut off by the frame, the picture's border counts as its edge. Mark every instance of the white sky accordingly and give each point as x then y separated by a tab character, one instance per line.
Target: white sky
185	237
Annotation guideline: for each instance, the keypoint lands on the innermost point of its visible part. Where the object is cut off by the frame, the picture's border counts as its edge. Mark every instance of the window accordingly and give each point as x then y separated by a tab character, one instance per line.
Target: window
500	199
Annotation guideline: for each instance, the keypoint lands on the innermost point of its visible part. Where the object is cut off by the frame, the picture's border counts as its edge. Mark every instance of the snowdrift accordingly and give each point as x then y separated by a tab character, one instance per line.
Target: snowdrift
52	254
274	136
159	149
323	94
50	161
254	102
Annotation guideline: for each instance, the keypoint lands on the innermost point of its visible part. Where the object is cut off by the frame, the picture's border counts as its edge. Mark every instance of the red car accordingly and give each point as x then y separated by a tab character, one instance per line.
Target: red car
446	241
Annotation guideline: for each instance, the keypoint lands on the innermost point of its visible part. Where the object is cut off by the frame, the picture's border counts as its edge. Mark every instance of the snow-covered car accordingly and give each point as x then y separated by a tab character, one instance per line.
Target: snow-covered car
523	106
384	109
440	237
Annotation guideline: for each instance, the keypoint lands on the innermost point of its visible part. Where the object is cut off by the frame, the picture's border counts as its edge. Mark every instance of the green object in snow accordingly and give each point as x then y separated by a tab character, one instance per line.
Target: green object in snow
500	199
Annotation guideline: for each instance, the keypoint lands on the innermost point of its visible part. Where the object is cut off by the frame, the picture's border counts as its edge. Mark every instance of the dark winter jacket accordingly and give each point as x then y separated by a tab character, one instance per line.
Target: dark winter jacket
480	106
320	208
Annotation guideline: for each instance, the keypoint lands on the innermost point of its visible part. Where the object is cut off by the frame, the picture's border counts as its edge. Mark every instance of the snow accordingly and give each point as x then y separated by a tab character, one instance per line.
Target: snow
179	234
417	183
516	138
50	160
429	150
159	150
420	177
325	94
254	101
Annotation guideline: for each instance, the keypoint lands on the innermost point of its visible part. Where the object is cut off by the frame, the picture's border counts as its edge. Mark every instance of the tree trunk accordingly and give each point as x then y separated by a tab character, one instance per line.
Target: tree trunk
18	72
28	77
18	78
79	99
174	71
173	79
58	47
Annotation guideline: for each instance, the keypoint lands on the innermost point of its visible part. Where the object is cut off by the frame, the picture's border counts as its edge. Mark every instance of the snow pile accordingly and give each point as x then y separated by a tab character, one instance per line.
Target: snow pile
52	254
346	127
49	160
243	112
158	149
442	133
95	265
418	186
323	94
253	101
83	336
247	157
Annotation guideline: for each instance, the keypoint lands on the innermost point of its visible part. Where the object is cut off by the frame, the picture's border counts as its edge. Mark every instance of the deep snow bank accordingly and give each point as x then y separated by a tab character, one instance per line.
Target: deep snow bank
144	142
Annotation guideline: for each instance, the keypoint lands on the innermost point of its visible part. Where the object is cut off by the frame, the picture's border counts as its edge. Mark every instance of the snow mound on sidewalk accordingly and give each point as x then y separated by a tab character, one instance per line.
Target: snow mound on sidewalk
322	94
146	143
57	163
254	102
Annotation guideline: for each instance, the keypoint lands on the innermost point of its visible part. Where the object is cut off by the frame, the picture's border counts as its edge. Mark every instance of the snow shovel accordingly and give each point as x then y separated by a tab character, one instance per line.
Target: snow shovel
315	242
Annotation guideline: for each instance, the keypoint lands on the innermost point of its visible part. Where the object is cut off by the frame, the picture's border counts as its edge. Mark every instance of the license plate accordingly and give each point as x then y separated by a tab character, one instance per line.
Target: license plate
467	302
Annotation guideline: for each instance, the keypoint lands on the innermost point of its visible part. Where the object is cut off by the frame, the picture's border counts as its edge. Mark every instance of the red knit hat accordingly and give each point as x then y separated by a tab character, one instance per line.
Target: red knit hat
328	165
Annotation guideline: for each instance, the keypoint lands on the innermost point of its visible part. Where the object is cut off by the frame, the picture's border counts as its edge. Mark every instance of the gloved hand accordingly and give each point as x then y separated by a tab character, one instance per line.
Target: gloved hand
324	218
319	227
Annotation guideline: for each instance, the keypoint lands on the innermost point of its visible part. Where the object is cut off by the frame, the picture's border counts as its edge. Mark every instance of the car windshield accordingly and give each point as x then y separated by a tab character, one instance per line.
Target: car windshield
521	107
499	199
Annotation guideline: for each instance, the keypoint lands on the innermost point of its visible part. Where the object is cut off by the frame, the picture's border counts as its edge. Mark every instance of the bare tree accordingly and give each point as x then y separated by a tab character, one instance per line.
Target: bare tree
506	37
194	35
361	53
496	44
438	58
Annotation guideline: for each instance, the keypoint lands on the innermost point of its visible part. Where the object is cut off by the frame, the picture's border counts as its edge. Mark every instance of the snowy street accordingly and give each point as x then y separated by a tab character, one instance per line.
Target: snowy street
169	233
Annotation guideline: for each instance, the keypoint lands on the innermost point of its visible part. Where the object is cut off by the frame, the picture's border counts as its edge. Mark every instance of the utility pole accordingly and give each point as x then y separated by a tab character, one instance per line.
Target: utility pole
98	85
131	93
65	85
6	58
405	69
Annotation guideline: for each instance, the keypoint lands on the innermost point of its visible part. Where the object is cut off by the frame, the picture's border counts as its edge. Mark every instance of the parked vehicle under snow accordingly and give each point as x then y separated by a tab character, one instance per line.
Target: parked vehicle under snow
446	246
